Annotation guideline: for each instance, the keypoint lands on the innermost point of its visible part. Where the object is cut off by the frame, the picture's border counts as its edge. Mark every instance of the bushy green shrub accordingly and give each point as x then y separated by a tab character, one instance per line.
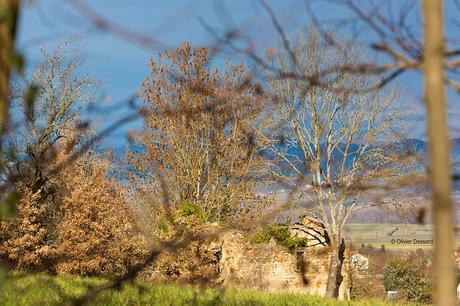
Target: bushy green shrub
192	211
280	232
411	278
261	237
294	243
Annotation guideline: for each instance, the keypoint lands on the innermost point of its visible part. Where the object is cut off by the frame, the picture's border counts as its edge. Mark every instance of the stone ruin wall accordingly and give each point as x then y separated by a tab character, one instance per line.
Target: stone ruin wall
273	268
241	264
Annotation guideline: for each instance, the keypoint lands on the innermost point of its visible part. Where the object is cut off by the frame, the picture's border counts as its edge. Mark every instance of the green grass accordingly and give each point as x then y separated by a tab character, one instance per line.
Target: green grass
41	289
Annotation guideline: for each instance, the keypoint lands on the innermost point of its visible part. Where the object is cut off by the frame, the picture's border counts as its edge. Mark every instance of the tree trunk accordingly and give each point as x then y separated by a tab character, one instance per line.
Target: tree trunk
438	137
8	18
335	277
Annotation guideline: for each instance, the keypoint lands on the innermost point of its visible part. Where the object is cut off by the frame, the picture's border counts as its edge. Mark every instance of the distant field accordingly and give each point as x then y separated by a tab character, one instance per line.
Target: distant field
392	236
43	289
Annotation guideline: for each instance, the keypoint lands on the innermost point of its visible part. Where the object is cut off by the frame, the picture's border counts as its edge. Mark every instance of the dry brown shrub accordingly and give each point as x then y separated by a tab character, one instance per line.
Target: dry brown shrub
78	222
26	242
96	229
195	263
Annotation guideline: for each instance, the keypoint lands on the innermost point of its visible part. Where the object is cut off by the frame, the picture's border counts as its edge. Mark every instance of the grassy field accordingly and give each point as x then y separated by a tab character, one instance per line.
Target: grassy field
40	289
403	236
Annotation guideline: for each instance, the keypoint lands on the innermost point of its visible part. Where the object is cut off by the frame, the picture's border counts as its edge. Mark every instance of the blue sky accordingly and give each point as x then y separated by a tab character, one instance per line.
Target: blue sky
122	65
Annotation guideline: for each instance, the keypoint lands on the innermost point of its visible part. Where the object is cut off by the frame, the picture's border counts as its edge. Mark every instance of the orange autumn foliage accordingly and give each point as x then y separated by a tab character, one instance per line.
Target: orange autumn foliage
199	139
78	223
26	241
96	232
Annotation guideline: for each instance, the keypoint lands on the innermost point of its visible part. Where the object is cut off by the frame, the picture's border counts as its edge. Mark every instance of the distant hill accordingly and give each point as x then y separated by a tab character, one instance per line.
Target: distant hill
294	154
378	214
404	146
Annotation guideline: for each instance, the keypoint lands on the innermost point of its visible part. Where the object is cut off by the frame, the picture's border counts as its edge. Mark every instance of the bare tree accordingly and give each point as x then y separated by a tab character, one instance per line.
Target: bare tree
48	107
334	141
397	34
